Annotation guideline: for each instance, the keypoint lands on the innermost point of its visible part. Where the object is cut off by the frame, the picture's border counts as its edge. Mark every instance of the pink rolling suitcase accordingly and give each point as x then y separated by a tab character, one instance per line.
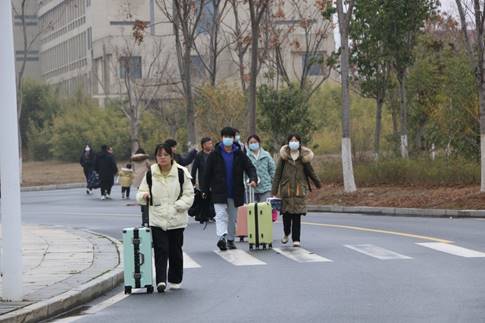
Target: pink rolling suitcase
242	222
242	217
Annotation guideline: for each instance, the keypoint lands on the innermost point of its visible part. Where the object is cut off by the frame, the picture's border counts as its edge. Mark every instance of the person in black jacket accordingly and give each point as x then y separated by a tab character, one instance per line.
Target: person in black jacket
224	178
185	160
200	162
87	161
107	169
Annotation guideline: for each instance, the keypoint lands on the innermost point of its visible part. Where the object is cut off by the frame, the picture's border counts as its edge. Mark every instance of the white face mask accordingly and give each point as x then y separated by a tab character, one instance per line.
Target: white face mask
294	145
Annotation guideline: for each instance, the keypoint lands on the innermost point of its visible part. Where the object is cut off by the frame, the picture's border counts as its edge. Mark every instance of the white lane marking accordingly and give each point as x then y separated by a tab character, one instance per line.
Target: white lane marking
453	250
189	262
239	257
376	252
300	255
95	309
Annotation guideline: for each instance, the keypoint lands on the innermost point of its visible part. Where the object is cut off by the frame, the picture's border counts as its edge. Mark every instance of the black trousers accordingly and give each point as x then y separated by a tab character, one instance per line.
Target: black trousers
168	250
125	190
106	186
292	224
87	172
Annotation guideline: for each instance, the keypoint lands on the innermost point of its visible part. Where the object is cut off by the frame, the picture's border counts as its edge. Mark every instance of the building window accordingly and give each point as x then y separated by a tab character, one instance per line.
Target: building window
206	18
130	67
197	66
313	63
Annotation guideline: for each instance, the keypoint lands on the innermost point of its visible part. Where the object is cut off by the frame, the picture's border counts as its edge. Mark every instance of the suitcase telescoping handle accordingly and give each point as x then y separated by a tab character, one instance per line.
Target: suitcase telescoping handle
249	193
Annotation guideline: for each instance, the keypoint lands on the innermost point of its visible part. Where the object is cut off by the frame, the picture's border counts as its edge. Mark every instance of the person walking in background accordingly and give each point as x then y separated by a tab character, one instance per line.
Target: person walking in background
169	197
292	184
185	160
141	164
265	168
107	169
237	140
224	178
200	162
87	161
126	180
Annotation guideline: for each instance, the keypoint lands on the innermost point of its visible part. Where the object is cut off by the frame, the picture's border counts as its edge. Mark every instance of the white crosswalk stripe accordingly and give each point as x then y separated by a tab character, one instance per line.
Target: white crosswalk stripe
300	255
376	252
453	249
239	257
190	263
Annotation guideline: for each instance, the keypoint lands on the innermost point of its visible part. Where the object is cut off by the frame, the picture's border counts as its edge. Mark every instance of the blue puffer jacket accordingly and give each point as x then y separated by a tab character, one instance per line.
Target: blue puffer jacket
265	167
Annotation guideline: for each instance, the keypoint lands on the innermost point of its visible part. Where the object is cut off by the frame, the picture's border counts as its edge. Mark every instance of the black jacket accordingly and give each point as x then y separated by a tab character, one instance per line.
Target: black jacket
199	168
87	160
187	159
215	176
106	166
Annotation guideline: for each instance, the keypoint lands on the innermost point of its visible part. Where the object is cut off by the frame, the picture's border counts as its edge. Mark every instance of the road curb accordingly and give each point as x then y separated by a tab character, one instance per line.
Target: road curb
402	212
75	297
52	187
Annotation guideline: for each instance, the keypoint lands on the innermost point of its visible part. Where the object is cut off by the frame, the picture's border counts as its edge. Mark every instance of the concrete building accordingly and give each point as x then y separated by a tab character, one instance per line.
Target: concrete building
26	43
89	45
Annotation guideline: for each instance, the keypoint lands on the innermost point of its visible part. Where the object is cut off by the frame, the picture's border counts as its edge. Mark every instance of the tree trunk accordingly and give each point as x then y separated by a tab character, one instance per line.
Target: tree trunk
134	134
189	100
404	114
254	68
377	139
482	136
347	167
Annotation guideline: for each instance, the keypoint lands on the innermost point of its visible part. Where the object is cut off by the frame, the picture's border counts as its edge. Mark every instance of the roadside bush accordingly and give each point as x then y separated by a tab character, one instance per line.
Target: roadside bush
420	172
79	125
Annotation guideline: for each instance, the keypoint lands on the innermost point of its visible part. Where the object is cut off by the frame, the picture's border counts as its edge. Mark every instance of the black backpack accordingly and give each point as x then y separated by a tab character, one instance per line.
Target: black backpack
150	183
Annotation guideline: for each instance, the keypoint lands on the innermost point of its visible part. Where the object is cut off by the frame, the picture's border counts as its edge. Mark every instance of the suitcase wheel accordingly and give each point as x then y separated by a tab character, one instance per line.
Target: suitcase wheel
264	246
127	290
250	246
241	239
270	246
149	289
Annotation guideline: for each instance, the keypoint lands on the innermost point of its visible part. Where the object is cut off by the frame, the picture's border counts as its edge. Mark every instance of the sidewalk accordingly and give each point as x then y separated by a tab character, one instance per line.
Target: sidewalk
63	268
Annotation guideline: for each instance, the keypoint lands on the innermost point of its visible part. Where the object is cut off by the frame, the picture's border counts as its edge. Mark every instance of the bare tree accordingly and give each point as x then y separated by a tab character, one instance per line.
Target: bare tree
472	14
140	82
257	10
306	18
344	18
184	15
211	22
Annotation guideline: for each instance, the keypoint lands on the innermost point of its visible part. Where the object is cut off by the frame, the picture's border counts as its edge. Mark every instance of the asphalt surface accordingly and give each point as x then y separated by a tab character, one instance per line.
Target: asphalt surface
394	279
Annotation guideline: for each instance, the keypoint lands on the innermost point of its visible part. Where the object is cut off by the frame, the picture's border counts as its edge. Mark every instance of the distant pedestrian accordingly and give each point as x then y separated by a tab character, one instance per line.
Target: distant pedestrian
237	140
126	180
107	169
184	160
141	164
265	168
292	184
205	208
224	178
200	162
170	196
87	161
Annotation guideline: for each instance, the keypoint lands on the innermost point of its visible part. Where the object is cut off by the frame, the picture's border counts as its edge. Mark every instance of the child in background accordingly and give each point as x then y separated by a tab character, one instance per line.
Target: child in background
126	180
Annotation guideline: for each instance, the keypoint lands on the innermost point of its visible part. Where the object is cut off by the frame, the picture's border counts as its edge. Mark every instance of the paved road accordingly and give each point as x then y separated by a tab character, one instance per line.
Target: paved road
352	269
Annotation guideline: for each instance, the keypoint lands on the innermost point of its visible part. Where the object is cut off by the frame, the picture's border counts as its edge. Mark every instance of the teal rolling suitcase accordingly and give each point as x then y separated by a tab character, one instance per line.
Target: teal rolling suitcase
138	255
260	224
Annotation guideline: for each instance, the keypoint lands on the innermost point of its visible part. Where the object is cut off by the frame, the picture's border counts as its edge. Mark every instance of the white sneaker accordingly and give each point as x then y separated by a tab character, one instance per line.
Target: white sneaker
161	287
296	243
103	197
175	286
284	240
108	197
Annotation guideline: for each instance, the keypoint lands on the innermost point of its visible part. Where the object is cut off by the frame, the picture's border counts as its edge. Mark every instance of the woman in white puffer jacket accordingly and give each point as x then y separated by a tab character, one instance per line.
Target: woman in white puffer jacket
170	197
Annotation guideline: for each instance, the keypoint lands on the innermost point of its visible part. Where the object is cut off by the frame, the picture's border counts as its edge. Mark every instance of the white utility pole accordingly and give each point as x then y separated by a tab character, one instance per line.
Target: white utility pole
9	163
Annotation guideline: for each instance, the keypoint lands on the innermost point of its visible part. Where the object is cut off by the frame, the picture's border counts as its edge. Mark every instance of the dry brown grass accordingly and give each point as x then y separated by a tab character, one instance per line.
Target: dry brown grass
459	197
51	172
